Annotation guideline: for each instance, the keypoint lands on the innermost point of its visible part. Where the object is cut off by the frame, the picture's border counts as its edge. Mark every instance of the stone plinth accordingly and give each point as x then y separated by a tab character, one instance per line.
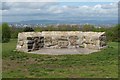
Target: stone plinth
32	41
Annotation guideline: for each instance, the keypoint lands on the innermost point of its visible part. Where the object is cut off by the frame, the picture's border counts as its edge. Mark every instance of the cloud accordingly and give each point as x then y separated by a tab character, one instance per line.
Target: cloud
26	5
99	9
60	0
26	8
55	10
5	6
110	6
29	0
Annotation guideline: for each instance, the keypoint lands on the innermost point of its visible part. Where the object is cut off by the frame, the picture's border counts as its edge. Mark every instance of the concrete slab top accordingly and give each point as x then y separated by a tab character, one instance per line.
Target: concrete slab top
63	51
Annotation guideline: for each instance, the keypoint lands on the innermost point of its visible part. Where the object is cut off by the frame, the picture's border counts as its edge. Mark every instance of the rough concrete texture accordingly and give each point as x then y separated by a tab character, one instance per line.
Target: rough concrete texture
64	51
32	41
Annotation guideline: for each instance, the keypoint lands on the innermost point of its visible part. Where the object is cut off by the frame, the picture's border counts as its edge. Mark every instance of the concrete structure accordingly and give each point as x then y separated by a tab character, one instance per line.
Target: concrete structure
32	41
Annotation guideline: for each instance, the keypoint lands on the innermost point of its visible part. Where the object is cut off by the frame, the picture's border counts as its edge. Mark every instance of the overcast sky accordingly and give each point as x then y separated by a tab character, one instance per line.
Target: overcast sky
55	10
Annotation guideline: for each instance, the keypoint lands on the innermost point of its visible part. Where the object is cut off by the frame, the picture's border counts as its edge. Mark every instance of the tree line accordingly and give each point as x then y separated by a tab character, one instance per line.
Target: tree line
8	33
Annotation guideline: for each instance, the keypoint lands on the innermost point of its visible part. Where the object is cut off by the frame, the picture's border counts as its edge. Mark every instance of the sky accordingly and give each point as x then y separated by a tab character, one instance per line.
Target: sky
15	11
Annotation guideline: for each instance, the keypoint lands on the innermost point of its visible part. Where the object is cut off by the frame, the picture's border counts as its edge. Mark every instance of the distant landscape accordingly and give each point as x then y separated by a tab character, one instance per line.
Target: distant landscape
48	22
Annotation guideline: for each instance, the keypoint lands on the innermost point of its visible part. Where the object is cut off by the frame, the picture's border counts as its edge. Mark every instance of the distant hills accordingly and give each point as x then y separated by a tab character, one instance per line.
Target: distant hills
46	22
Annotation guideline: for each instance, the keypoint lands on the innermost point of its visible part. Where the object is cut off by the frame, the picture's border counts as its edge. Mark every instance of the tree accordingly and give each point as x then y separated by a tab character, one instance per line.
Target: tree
38	29
110	34
88	27
6	33
116	34
113	33
28	29
0	33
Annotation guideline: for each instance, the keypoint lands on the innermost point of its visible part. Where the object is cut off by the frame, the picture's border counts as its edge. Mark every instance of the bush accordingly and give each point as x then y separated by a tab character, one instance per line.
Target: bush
117	33
38	29
113	33
28	29
6	33
15	31
0	33
88	27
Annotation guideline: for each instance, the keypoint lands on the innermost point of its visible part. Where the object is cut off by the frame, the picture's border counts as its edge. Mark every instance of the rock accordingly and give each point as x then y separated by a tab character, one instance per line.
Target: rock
29	41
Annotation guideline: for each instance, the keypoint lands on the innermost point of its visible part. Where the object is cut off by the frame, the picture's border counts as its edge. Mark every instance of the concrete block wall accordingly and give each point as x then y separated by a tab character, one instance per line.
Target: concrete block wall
30	41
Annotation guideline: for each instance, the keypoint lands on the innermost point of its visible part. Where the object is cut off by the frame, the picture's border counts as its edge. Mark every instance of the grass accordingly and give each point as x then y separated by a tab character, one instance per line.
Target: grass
103	64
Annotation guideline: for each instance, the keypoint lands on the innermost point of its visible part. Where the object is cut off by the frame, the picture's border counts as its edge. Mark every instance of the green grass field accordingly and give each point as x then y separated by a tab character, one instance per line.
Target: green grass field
103	64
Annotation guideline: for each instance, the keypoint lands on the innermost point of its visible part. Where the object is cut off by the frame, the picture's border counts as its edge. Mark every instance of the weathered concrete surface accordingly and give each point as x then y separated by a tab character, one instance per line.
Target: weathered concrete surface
32	41
64	51
24	39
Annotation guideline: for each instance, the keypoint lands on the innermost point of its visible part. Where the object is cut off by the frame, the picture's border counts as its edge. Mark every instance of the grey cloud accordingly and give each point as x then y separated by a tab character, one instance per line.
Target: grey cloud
110	6
56	11
28	5
5	6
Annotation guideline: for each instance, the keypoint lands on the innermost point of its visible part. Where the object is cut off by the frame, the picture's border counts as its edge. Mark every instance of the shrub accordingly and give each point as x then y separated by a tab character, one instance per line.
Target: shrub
6	33
88	27
0	33
113	33
28	29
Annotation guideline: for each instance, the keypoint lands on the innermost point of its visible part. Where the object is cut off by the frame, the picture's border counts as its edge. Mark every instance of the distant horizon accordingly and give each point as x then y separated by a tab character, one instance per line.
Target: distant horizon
62	20
52	22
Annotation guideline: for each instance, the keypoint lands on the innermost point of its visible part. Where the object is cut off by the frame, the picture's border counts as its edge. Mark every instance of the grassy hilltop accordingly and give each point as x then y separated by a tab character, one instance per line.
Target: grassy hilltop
103	64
